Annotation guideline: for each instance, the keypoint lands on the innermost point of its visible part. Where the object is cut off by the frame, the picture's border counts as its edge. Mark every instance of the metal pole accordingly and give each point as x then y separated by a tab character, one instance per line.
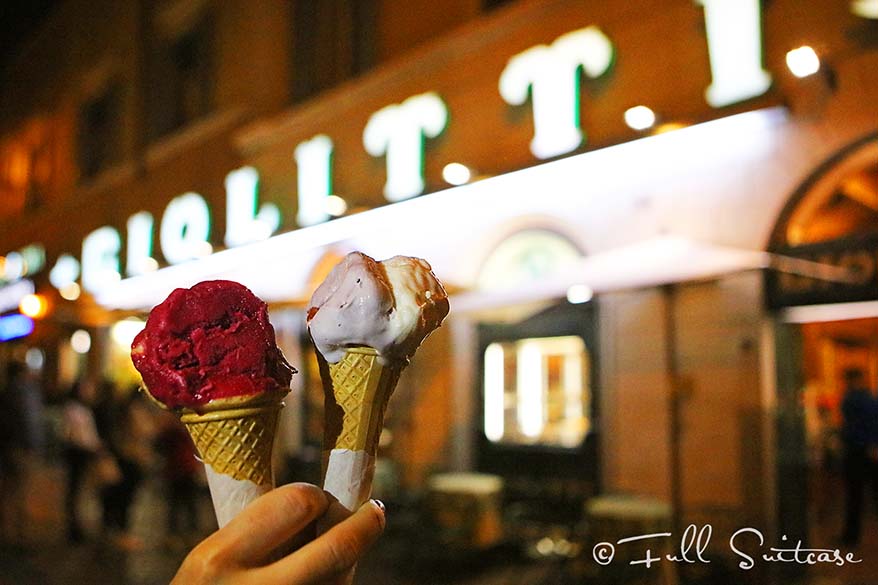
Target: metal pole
673	374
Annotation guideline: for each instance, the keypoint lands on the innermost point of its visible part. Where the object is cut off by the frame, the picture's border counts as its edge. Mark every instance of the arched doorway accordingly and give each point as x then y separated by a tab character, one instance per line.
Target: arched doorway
826	331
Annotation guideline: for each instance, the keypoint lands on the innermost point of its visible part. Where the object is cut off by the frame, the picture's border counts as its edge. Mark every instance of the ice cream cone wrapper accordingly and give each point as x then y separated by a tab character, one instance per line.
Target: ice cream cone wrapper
234	438
357	390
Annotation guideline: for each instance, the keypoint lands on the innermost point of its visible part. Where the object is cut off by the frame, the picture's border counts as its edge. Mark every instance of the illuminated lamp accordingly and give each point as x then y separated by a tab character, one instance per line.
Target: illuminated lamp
70	292
35	358
123	332
669	127
865	8
336	206
803	61
80	341
456	174
639	118
34	306
14	266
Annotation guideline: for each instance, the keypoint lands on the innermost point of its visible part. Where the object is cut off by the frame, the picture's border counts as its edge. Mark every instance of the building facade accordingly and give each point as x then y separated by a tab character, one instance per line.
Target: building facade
656	308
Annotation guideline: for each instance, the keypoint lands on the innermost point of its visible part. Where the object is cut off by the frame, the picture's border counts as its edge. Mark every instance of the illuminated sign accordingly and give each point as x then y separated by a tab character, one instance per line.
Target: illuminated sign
243	224
857	253
550	76
398	131
185	229
314	168
100	258
15	326
546	75
139	250
734	41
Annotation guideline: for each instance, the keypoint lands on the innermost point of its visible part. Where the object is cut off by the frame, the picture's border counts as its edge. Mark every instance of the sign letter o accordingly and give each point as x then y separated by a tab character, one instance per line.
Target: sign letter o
185	228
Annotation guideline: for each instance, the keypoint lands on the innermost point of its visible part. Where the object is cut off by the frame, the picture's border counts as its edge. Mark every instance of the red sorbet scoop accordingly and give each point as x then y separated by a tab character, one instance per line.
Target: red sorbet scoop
211	341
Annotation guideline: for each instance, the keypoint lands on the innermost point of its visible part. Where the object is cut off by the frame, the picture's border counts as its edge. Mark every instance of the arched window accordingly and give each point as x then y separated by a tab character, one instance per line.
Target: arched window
832	218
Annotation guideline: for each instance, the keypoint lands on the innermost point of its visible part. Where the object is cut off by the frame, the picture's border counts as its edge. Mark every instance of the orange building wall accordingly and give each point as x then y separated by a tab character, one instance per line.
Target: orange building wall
403	26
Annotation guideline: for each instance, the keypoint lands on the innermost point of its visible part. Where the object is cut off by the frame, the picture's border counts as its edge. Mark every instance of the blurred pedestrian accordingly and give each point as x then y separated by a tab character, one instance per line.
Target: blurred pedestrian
81	448
22	440
181	471
131	432
859	433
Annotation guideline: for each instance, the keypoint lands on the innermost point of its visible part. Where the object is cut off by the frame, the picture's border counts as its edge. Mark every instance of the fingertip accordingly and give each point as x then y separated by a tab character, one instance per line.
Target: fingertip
309	488
300	492
337	550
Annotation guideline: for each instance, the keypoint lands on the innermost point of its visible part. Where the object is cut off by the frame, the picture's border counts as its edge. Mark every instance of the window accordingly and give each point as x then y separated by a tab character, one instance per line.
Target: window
831	219
180	73
99	136
537	391
492	4
29	159
332	42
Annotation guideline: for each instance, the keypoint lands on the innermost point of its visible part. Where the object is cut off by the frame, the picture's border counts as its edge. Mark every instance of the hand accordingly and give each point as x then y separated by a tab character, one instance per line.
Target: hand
248	548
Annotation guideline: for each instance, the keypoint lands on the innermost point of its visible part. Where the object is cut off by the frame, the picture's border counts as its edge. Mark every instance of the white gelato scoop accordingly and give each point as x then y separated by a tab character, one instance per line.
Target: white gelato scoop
390	306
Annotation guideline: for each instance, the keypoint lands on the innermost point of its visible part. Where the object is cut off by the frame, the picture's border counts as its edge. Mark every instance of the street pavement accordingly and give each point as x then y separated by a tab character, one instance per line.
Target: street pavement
403	556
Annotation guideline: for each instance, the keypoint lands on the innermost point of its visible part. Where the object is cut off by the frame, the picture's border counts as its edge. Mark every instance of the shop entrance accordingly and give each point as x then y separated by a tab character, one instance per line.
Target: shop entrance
819	424
827	359
831	352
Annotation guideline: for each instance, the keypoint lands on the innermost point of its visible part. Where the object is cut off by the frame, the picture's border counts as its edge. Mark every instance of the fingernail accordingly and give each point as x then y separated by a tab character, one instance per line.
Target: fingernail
382	519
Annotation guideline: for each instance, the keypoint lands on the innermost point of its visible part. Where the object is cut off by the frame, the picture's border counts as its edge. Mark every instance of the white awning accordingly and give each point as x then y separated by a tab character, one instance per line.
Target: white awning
653	262
588	198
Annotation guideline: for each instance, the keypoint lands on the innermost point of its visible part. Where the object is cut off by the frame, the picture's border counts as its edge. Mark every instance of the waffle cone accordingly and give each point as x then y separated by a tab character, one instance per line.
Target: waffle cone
235	436
356	390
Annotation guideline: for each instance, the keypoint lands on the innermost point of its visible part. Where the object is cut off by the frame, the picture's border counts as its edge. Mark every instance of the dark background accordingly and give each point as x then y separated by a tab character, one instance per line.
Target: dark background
18	18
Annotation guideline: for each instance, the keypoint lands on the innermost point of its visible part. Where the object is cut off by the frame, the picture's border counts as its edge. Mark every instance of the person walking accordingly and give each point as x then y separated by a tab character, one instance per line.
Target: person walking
858	432
81	447
180	471
22	441
131	432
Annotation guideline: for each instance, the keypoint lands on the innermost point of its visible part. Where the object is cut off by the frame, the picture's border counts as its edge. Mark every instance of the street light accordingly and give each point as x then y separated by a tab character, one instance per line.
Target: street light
34	306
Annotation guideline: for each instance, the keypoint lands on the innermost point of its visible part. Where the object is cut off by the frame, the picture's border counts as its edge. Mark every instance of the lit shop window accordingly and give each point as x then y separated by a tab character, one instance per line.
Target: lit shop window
28	166
536	391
